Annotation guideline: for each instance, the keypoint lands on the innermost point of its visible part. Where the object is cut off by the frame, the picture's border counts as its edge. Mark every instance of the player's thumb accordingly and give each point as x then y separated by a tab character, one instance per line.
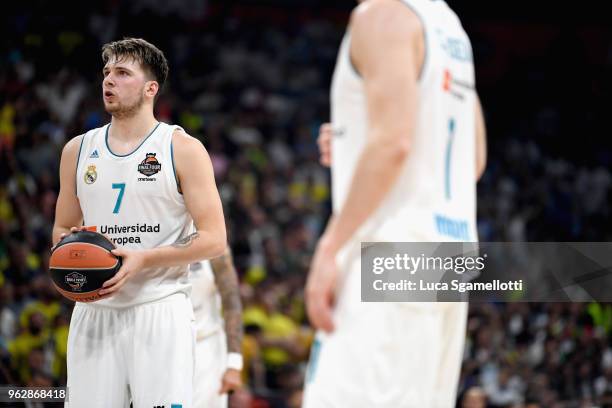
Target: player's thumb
118	252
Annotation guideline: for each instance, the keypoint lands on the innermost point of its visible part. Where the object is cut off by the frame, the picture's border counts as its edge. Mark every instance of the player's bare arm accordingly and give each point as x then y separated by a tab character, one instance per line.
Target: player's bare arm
481	141
324	143
68	212
226	280
387	49
197	183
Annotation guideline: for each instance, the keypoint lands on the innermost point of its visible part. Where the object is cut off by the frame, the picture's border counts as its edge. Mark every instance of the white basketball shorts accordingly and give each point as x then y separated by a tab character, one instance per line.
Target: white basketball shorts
143	354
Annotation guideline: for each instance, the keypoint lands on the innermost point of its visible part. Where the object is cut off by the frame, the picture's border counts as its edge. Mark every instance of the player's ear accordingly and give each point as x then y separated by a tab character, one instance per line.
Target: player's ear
151	88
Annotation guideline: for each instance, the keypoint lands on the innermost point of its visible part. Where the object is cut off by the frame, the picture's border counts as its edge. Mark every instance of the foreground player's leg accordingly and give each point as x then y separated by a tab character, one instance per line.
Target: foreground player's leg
161	364
97	358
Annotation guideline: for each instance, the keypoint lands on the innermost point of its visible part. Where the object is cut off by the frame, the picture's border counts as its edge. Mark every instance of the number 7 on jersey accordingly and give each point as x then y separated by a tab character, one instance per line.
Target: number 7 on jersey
121	188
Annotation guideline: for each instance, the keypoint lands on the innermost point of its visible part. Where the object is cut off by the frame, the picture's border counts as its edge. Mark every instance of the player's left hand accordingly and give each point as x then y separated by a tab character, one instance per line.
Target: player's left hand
231	381
133	261
320	287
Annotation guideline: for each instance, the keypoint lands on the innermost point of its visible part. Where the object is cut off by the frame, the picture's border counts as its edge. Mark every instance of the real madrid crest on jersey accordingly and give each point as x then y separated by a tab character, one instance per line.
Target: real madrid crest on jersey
149	166
91	175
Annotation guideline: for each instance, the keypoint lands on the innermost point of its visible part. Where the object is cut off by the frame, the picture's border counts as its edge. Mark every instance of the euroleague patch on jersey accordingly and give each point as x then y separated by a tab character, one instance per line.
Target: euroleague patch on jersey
149	166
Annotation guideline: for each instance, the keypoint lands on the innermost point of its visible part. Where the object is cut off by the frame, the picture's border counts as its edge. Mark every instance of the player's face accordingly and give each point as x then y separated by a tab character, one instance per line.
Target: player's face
123	87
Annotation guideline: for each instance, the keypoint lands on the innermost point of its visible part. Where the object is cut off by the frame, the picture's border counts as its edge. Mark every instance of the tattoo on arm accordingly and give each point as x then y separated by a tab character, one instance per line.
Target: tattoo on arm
227	283
187	241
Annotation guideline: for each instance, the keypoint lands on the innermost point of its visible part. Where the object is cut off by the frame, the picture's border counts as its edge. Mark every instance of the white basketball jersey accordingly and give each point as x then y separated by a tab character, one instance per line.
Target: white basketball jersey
434	198
206	299
134	200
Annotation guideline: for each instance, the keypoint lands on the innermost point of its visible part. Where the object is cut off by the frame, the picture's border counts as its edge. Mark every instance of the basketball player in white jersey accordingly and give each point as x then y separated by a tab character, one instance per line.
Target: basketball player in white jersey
406	151
218	360
145	185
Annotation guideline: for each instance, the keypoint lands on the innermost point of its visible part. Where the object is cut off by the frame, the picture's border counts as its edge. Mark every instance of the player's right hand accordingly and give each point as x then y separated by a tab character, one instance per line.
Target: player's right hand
72	230
324	142
320	288
64	234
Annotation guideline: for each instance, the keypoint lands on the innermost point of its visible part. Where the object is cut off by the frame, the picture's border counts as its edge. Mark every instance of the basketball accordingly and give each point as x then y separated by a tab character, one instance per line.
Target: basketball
81	263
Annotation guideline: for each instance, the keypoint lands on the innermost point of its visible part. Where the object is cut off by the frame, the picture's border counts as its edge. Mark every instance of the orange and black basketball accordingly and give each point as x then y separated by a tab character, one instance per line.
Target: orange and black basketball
81	263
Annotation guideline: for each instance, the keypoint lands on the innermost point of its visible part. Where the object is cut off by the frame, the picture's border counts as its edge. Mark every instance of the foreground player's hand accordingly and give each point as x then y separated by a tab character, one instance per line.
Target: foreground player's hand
132	262
324	142
231	381
320	287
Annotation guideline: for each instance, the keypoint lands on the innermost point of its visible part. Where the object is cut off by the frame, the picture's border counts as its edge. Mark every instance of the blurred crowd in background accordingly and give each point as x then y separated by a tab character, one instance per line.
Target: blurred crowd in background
252	83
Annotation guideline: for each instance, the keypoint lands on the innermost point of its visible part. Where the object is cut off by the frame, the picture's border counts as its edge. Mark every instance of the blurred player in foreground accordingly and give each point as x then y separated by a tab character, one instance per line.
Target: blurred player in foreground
218	360
407	147
144	184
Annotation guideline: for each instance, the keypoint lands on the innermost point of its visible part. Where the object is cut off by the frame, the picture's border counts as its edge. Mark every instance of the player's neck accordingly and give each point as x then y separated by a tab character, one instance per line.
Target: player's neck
132	128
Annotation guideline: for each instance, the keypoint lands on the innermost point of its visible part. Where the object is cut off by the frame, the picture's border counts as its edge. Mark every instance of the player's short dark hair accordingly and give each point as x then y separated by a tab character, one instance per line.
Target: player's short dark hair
150	57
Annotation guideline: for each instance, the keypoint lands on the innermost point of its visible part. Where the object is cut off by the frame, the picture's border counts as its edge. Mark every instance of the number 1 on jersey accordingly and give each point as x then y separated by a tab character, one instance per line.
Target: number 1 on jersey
121	188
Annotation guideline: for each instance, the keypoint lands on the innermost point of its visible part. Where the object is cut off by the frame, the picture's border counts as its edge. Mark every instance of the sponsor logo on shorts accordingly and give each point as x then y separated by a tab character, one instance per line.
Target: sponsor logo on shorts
75	280
149	166
91	175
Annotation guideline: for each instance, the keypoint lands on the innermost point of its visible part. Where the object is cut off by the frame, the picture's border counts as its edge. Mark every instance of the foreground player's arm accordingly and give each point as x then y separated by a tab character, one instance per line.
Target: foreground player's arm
197	182
226	280
324	143
387	48
67	210
481	141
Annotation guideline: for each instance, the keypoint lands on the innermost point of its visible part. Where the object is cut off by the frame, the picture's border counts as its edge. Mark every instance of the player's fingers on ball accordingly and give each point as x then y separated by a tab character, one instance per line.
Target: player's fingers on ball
118	276
114	288
121	282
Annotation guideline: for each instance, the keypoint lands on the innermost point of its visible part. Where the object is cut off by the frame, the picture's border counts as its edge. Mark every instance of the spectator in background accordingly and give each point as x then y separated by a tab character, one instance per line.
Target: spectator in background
474	397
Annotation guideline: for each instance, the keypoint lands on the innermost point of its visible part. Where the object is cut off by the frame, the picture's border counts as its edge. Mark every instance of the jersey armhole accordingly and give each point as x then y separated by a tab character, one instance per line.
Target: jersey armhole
178	185
76	170
425	39
425	53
